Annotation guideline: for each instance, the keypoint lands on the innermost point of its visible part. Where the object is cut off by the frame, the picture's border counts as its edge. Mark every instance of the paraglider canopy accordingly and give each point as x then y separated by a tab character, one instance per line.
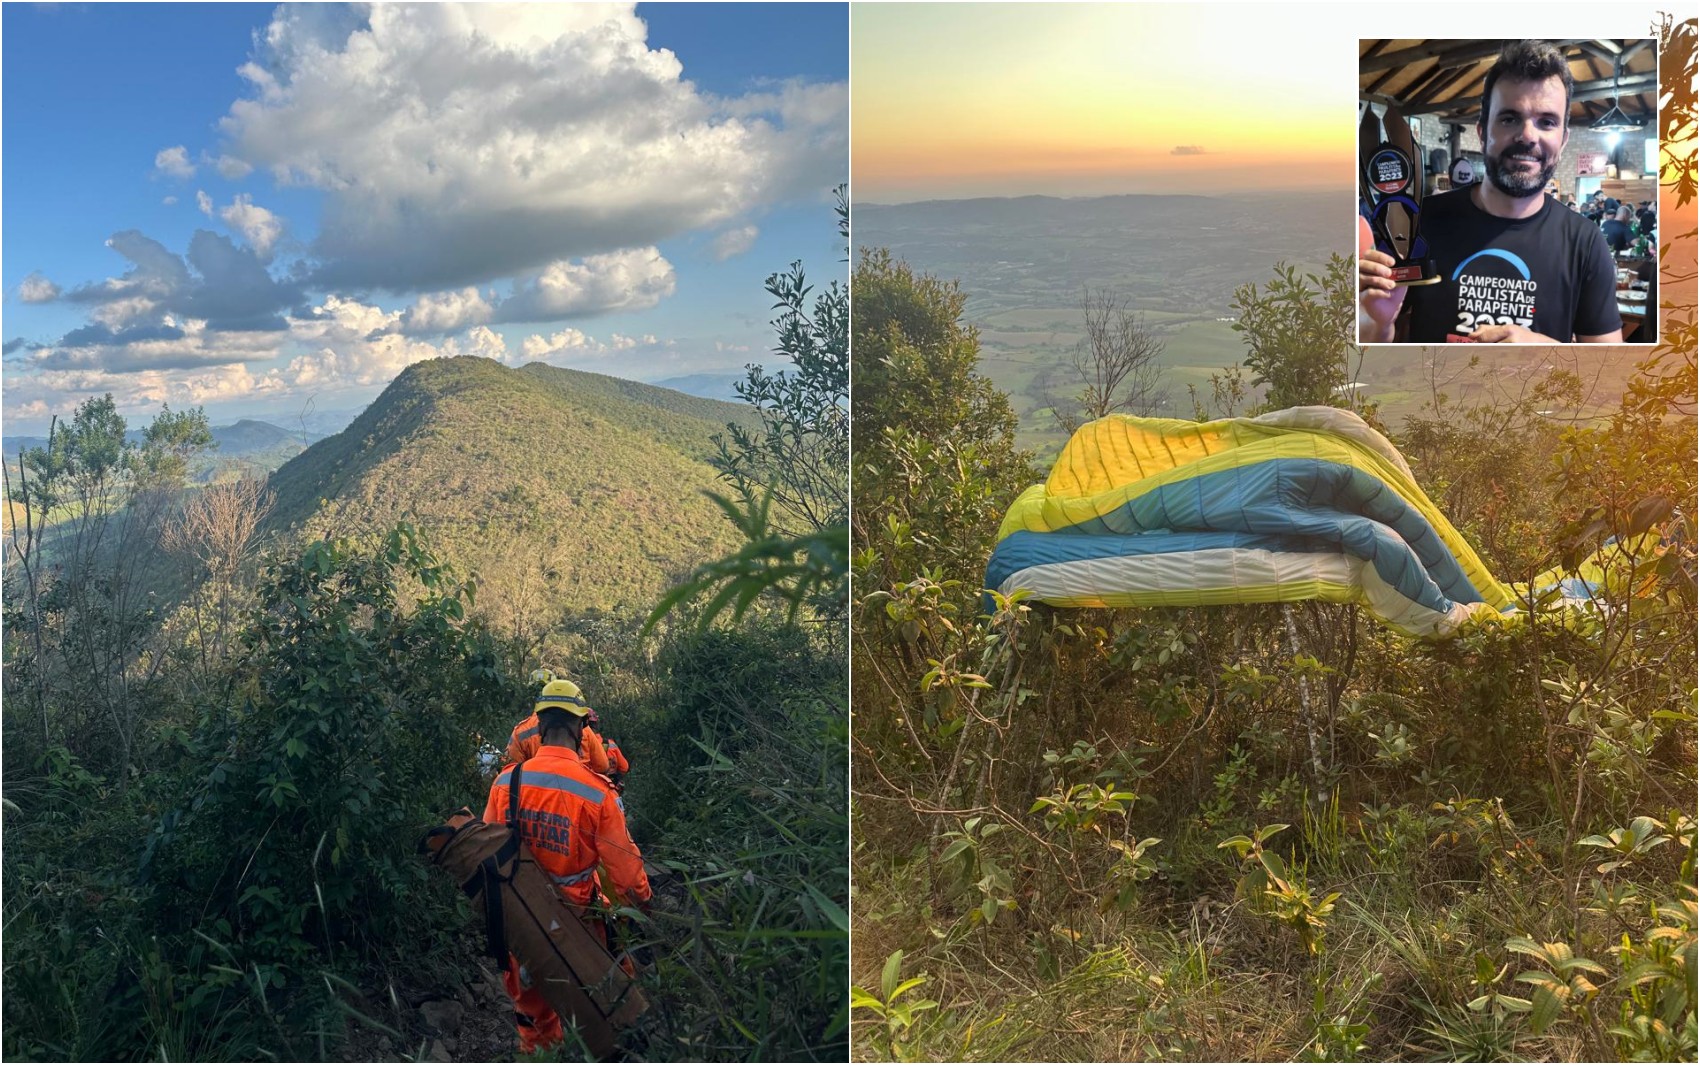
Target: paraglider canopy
1304	503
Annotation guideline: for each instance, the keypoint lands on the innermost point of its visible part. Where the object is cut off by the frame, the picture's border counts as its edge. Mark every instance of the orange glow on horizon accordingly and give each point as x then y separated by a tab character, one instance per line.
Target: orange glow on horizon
1074	99
924	165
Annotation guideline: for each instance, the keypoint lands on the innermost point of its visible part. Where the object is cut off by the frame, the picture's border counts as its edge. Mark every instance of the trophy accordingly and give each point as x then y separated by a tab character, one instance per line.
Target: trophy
1392	188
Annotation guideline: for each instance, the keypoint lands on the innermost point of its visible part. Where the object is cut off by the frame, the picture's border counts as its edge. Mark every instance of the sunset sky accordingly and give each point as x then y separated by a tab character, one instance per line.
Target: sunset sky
959	100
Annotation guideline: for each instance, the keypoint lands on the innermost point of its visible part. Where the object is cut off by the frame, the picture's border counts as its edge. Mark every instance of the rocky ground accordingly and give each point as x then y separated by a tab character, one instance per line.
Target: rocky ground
471	1019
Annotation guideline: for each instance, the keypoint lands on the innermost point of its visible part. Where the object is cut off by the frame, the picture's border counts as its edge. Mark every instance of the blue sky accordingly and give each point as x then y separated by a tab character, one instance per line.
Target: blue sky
240	206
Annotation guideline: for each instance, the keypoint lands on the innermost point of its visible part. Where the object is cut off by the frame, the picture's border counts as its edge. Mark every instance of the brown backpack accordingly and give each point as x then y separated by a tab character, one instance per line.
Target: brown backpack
524	914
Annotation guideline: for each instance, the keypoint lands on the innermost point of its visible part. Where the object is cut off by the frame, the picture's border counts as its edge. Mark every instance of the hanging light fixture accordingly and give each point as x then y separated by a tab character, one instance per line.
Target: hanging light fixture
1614	120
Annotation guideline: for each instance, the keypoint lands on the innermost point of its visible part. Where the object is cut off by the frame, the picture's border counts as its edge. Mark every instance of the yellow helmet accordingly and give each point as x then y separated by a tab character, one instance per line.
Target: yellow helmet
542	676
561	694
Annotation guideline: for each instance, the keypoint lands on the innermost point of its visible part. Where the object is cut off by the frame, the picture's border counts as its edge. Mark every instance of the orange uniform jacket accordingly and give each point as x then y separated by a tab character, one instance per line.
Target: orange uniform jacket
617	758
525	741
572	821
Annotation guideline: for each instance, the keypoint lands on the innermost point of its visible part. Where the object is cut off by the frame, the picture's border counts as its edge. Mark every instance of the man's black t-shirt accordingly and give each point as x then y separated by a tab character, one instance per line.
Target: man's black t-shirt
1617	234
1551	273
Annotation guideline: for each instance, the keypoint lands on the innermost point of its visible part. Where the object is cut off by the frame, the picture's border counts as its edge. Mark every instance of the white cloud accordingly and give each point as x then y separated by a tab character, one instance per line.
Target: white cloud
622	281
126	312
188	363
227	286
170	201
37	289
573	345
461	144
733	242
445	312
174	162
137	395
204	202
629	280
483	342
355	345
258	226
125	346
568	340
231	168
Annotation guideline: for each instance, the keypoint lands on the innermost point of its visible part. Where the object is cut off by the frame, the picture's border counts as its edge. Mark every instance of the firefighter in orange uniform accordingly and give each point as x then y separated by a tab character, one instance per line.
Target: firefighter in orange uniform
572	821
618	767
602	756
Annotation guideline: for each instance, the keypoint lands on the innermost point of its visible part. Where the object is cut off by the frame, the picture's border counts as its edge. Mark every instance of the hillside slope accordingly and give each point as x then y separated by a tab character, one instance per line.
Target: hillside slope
248	436
565	490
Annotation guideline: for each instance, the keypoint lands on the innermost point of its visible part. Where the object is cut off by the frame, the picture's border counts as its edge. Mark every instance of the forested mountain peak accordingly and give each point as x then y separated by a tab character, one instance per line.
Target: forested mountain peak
565	489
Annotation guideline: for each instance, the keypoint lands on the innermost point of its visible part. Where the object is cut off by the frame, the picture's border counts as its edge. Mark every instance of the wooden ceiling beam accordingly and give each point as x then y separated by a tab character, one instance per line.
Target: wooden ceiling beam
1625	91
1445	51
1414	90
1629	85
1434	95
1386	77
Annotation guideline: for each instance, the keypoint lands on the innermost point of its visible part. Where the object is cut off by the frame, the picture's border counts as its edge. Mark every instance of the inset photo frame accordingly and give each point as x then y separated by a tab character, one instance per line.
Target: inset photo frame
1508	191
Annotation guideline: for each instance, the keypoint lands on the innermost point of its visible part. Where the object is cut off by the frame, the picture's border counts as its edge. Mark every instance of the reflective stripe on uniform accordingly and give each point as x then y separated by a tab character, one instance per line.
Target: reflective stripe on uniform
526	734
553	780
574	878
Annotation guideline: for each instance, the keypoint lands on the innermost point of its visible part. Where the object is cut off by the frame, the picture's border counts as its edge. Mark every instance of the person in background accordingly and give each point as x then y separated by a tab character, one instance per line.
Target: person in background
1646	218
524	740
1619	230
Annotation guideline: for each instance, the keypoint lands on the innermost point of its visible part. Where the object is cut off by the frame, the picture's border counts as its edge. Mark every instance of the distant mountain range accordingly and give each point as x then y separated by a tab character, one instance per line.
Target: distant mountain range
707	385
566	490
248	436
244	439
1170	253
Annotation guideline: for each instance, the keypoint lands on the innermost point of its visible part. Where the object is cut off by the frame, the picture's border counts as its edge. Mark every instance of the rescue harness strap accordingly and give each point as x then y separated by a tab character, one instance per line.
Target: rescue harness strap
489	880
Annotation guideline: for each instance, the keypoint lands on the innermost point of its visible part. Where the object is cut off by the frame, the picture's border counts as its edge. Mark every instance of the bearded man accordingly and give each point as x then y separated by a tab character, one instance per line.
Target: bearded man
1515	266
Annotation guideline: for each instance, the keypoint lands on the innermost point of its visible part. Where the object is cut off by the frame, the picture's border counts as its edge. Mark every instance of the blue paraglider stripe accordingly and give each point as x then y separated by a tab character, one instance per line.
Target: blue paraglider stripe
1024	550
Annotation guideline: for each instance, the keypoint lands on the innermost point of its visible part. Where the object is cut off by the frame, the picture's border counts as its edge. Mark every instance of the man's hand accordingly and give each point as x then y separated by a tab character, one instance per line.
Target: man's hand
1379	299
1509	334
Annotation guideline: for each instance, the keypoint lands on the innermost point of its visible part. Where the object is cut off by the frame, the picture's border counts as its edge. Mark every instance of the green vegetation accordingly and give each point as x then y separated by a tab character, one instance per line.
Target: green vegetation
1106	835
796	457
255	891
737	738
219	903
758	801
